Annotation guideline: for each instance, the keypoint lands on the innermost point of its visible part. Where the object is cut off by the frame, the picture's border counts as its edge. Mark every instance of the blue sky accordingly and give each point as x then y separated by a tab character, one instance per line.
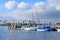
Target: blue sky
18	1
20	10
2	2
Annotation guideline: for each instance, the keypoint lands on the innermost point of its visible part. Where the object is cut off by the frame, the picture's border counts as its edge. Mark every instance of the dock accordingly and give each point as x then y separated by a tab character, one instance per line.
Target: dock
20	25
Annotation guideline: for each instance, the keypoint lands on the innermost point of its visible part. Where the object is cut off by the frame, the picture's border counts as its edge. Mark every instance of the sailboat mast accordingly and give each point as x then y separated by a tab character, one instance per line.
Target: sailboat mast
33	17
37	17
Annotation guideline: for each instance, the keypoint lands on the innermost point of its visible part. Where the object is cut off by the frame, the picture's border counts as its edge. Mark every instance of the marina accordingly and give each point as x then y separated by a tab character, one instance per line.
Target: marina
31	26
29	19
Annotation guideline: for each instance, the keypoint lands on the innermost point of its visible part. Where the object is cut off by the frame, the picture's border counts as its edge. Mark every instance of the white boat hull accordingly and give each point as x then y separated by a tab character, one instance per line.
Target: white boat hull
30	28
41	30
27	28
58	30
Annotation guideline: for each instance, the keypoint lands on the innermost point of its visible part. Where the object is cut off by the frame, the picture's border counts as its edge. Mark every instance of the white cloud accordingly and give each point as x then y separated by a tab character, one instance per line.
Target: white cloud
57	7
23	5
56	3
27	14
40	5
53	1
10	4
51	7
44	9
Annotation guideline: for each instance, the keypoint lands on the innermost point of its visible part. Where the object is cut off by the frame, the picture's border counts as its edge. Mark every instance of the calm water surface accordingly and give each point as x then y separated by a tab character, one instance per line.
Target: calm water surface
6	34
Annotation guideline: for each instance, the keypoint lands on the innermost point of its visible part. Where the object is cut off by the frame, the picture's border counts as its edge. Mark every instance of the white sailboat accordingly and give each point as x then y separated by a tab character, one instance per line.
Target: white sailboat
31	26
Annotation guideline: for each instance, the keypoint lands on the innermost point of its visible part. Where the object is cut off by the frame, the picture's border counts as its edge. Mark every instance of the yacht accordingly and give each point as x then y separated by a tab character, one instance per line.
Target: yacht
46	28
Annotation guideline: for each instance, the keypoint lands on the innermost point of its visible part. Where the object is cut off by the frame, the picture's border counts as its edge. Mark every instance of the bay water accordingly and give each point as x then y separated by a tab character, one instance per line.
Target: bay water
10	34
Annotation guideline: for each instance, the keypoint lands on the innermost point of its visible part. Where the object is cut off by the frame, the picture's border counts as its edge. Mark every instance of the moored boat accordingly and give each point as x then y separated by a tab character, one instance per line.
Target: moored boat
58	30
46	28
30	28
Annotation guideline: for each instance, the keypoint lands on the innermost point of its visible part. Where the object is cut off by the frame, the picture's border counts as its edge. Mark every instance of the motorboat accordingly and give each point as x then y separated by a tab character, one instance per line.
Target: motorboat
46	28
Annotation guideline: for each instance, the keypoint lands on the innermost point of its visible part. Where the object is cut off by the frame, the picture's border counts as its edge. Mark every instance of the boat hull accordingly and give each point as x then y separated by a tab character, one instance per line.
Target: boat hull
41	29
58	30
46	29
30	28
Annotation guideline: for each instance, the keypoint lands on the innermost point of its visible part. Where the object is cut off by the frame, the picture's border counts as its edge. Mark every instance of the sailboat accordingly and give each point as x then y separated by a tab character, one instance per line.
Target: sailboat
31	26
